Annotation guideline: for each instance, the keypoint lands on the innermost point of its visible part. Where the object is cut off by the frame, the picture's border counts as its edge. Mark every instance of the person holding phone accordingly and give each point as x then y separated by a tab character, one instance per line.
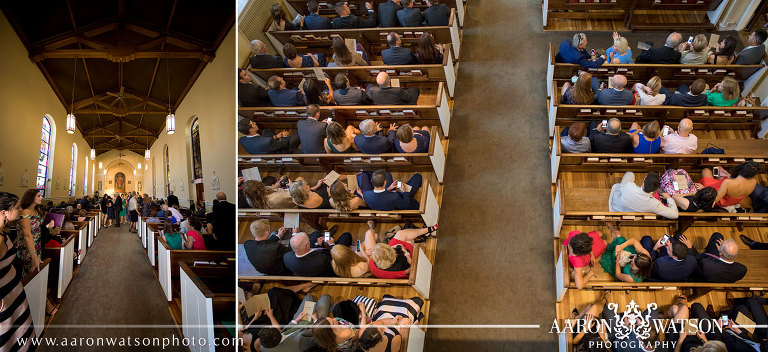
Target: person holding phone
732	190
674	258
386	195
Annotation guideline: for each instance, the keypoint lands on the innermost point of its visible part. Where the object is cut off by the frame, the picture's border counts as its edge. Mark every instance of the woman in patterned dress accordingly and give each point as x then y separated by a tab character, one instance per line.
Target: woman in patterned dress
28	239
123	208
15	317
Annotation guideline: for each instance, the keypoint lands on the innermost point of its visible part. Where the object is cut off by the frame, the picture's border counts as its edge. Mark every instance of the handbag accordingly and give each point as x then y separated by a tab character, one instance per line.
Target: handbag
684	182
713	149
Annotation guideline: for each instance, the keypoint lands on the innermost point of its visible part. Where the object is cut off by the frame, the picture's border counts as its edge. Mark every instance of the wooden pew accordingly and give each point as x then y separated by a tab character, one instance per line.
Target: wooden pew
643	72
167	271
327	7
736	151
446	72
151	232
36	288
207	299
434	108
80	243
433	160
62	263
373	39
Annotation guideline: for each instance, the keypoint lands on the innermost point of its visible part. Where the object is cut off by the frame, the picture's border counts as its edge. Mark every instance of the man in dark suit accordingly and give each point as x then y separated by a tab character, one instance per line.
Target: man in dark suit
261	59
347	20
312	132
613	95
397	55
574	51
611	139
346	95
664	54
409	16
388	13
718	264
314	20
437	14
172	200
392	197
303	261
673	261
279	95
264	251
372	141
249	93
268	143
690	96
118	208
223	223
384	94
753	54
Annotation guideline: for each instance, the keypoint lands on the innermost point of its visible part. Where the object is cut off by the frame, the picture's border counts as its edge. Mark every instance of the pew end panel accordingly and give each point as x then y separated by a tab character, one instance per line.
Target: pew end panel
62	265
35	288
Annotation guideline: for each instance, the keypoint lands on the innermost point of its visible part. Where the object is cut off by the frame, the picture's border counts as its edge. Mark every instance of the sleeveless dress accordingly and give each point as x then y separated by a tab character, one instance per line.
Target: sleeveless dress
608	260
333	149
422	142
646	147
24	254
598	248
15	318
123	208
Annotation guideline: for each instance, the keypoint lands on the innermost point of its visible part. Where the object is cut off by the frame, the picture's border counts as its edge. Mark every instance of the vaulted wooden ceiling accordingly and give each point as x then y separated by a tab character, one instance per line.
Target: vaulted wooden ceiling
122	49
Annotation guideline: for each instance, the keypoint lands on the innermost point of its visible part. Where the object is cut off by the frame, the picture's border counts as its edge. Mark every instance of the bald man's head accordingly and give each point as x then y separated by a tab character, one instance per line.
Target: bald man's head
619	81
221	196
382	79
300	243
729	249
685	126
614	126
674	39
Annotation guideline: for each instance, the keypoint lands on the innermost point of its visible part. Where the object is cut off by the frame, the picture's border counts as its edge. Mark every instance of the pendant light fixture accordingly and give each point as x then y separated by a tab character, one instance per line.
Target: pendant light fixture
170	120
146	151
71	116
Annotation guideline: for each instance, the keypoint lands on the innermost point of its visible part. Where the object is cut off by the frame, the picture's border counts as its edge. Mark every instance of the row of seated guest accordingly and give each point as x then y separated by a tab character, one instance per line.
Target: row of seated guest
188	237
723	193
587	90
722	338
311	256
360	324
674	51
668	259
650	139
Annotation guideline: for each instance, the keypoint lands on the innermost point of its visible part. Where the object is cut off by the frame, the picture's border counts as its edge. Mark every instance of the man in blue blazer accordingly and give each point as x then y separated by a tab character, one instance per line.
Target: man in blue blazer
409	16
388	13
389	198
372	141
575	52
266	143
673	261
397	55
314	21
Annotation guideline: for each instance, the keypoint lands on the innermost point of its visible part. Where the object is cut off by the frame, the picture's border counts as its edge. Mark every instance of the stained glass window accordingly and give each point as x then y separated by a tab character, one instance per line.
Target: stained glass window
72	170
197	162
45	149
85	177
167	173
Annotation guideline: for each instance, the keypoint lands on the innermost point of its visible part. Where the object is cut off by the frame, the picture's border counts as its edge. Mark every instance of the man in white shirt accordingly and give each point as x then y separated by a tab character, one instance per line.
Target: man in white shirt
175	213
133	206
629	197
681	141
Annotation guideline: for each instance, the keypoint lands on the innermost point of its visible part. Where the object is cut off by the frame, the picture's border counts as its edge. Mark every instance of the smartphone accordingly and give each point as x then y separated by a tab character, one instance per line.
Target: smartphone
724	320
690	40
399	184
664	239
358	246
605	123
675	185
327	236
574	79
592	52
330	119
666	131
716	172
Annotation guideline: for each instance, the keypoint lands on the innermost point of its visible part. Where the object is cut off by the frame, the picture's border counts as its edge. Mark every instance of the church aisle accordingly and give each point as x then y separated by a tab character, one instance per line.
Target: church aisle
115	286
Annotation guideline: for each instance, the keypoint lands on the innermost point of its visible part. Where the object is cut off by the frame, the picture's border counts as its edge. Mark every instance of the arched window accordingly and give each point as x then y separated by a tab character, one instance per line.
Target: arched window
72	170
197	160
45	155
167	173
85	177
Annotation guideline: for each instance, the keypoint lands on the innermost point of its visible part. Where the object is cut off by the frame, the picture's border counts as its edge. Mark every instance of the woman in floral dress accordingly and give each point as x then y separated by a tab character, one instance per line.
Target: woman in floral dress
28	239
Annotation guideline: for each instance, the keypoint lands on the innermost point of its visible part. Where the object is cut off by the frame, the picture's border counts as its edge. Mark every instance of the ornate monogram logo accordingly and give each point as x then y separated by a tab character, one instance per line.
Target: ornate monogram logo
632	320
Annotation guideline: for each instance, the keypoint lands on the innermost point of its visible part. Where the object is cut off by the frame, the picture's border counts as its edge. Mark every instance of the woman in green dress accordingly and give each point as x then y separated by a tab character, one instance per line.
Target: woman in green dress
122	210
634	266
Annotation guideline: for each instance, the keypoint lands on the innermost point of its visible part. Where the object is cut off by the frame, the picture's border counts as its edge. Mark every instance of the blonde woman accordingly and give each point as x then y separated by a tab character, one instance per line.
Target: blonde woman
310	197
619	53
347	263
695	53
648	141
725	93
393	260
344	200
649	93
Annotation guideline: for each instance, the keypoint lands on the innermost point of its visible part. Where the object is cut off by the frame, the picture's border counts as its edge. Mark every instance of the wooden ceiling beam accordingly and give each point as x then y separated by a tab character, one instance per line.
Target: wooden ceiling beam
119	54
90	101
192	80
153	31
90	82
90	30
146	98
118	112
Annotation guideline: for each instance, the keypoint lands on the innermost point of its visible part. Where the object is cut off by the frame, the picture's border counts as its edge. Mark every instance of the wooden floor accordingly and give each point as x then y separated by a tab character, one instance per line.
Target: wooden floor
611	20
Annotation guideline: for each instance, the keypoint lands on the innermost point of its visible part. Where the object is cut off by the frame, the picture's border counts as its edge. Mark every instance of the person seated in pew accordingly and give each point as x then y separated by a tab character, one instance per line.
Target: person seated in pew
310	197
574	51
83	215
345	200
437	14
718	262
738	339
412	139
68	226
280	20
580	92
409	16
346	95
725	93
700	200
393	259
249	93
161	212
260	58
583	249
753	54
385	94
193	240
294	60
619	53
674	258
625	259
725	52
268	143
306	261
372	141
314	21
690	342
573	139
342	57
689	96
172	212
172	237
396	54
681	141
759	197
347	263
339	139
427	52
586	339
388	13
264	251
611	139
317	238
347	20
279	95
69	213
153	218
666	54
733	188
647	141
648	94
629	197
695	53
311	131
381	197
614	94
317	93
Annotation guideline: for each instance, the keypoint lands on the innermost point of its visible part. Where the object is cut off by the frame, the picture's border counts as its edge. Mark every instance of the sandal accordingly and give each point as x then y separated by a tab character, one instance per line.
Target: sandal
52	313
431	231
